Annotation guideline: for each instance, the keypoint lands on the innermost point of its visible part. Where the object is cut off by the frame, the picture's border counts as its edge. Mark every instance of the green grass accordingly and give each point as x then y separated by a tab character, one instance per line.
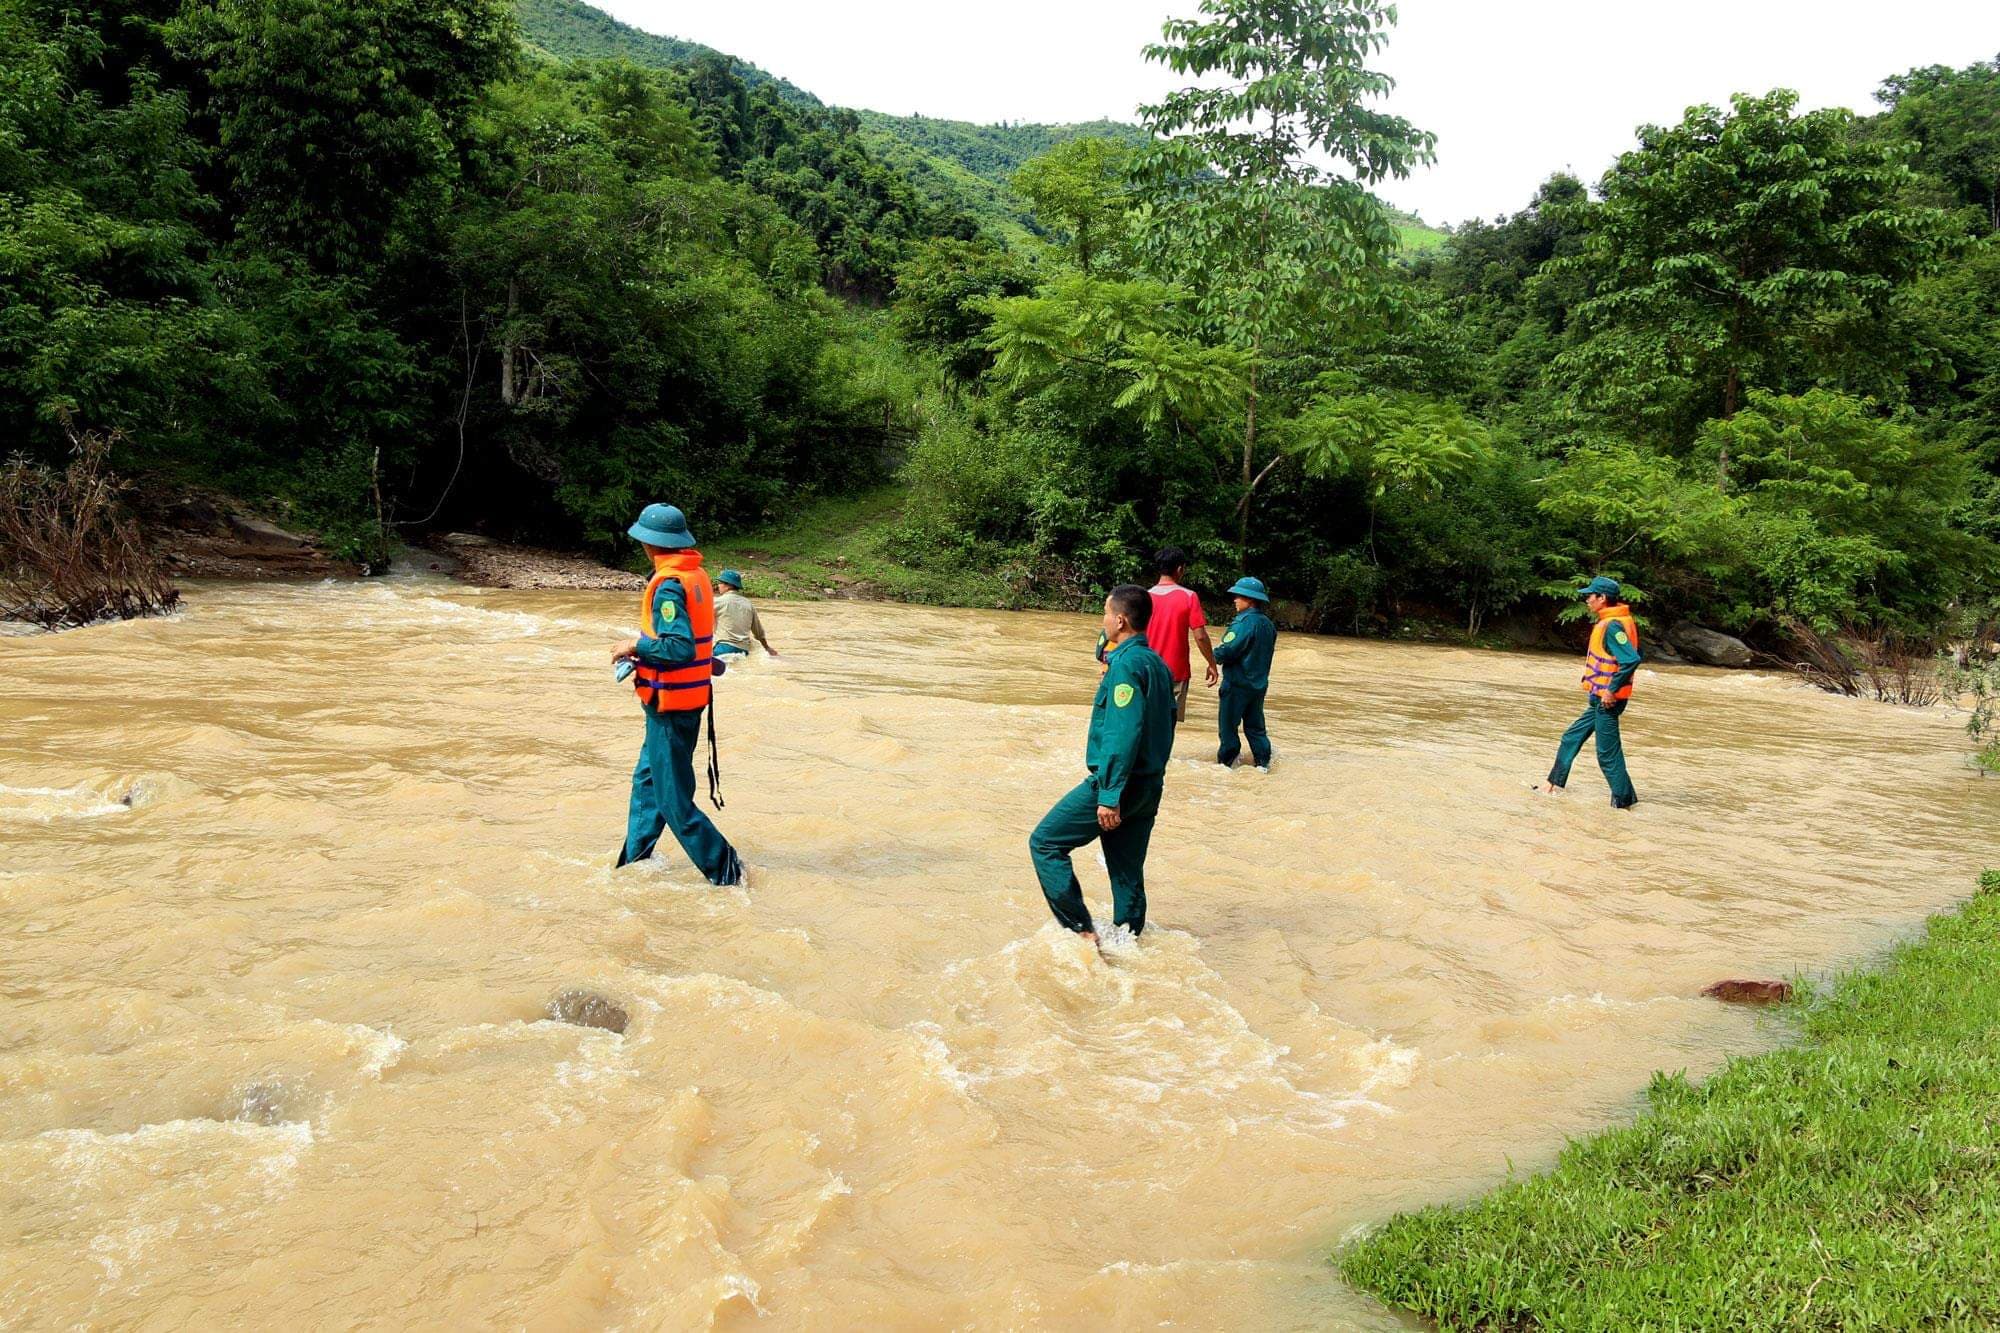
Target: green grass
1418	239
1851	1181
846	547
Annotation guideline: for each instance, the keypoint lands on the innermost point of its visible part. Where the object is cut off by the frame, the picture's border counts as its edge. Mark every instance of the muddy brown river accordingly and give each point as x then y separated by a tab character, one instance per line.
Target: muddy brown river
288	880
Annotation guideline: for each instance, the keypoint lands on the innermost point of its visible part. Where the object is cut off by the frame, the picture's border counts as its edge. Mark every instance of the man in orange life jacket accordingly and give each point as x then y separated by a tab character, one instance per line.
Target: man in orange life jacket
673	656
1608	667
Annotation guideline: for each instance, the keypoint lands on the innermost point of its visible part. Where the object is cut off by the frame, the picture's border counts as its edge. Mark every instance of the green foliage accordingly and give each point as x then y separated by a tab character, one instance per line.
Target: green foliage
1273	245
1977	681
337	119
973	167
941	290
344	259
1950	115
1754	249
102	289
573	30
1079	194
1845	1182
331	254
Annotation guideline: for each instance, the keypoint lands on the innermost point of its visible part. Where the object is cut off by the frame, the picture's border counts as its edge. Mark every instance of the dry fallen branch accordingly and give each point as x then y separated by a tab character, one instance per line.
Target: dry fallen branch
1885	667
67	556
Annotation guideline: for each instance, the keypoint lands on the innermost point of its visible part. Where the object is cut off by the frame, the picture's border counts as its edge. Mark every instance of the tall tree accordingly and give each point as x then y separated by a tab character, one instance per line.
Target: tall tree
1757	248
338	118
1078	190
1954	116
1258	176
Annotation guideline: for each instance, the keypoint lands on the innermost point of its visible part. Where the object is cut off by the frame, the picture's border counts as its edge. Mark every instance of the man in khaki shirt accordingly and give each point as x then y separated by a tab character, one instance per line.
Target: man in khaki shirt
736	618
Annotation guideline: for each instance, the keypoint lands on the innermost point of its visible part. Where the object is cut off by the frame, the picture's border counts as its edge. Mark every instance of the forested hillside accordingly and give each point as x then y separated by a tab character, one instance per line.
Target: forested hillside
953	164
573	30
390	265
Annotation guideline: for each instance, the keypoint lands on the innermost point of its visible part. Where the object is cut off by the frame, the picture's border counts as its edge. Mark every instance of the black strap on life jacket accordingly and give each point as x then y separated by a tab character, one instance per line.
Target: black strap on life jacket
714	759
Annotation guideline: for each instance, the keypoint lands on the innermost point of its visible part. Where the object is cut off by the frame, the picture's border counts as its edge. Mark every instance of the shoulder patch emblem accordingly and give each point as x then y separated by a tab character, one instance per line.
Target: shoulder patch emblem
667	612
1122	695
1229	637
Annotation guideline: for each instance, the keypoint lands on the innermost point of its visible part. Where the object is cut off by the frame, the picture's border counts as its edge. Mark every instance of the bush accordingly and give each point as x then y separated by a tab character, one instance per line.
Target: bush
66	556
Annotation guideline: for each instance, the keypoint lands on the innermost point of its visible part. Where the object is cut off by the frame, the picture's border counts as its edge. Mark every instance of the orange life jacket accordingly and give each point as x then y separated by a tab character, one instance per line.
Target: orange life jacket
680	689
1600	666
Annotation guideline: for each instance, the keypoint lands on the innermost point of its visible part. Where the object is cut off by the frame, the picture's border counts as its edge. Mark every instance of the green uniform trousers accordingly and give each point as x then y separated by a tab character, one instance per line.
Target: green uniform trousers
1601	720
1239	705
1072	823
663	798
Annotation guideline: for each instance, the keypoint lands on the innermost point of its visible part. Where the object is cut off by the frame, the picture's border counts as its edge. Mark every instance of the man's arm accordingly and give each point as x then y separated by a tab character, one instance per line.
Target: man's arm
1124	712
757	632
1207	651
1234	644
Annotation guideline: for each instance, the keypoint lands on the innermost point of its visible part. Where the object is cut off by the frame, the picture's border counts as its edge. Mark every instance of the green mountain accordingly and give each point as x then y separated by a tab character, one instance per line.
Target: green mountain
576	31
953	165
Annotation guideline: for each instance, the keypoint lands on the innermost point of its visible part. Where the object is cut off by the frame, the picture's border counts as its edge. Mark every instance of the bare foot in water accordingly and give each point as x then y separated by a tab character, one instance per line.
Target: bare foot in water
1091	937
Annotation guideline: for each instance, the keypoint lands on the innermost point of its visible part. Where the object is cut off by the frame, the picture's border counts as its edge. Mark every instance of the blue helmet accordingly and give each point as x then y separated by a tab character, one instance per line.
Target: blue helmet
1251	588
1601	585
663	526
729	578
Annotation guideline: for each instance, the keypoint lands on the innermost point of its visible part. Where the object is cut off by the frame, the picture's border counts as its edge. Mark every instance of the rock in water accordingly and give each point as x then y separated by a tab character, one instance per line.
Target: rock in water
587	1009
1751	992
1711	647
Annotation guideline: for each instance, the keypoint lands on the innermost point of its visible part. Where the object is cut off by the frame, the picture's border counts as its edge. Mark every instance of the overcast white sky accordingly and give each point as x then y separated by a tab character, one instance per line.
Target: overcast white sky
1514	89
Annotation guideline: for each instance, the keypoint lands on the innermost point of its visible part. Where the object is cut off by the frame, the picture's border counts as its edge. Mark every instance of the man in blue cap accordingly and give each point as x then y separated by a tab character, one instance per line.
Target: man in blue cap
673	659
1245	656
1608	667
736	618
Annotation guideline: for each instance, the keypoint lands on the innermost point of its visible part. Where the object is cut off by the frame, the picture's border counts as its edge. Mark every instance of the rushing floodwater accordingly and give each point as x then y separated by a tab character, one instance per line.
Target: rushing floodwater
271	1050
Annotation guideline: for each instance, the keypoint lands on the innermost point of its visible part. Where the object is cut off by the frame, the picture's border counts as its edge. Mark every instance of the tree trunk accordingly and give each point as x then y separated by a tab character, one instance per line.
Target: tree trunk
507	348
1249	477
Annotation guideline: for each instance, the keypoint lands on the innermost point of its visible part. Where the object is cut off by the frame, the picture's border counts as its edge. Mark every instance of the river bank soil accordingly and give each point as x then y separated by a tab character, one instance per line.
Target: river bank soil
1849	1181
300	977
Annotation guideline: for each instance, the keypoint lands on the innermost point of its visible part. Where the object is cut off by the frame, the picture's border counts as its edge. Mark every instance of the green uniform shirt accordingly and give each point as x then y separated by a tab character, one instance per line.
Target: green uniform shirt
671	643
1245	651
1131	721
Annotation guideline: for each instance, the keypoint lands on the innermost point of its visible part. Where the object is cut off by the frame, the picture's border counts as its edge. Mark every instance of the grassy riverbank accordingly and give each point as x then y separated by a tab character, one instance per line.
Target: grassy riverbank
1850	1181
845	547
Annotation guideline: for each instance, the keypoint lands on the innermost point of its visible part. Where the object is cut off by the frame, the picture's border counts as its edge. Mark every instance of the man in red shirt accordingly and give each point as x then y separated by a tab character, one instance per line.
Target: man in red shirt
1176	614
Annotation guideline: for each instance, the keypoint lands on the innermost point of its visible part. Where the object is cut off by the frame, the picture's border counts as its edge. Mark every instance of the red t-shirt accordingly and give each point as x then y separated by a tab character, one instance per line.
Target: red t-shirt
1176	611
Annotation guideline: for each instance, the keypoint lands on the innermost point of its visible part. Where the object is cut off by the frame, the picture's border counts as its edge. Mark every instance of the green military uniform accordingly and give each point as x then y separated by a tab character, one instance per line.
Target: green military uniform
1600	719
663	779
1131	739
1245	658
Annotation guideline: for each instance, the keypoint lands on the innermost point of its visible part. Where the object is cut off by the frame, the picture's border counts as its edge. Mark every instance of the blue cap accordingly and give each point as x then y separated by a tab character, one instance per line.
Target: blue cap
663	526
1600	584
730	577
1251	588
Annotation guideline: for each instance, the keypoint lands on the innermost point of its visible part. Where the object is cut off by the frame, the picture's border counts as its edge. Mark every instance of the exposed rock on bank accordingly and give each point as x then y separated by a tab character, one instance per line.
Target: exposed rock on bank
206	536
485	563
1750	992
1710	647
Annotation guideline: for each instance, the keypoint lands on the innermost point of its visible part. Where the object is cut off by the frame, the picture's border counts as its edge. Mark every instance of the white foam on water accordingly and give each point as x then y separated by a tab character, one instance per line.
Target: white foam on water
936	1056
385	1049
83	1152
114	1253
45	805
